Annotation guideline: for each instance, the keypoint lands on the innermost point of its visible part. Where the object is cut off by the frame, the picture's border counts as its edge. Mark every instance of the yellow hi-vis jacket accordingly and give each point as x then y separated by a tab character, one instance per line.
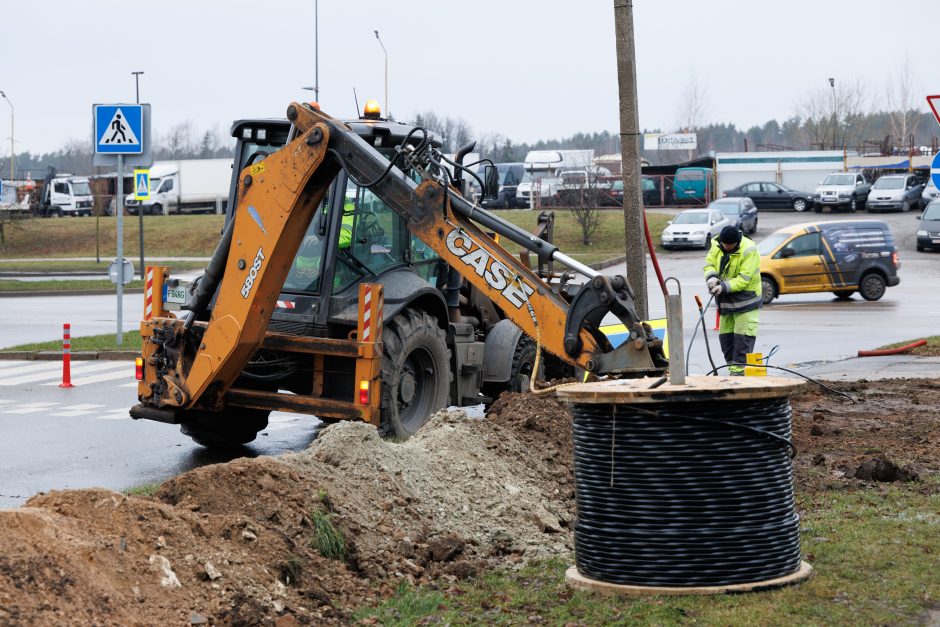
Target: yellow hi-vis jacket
739	273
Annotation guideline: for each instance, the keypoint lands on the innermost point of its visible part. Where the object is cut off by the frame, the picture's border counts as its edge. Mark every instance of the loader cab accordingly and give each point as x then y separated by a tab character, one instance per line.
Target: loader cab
353	237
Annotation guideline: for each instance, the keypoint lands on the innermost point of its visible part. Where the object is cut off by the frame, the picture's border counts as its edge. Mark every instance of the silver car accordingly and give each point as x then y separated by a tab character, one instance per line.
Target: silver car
694	228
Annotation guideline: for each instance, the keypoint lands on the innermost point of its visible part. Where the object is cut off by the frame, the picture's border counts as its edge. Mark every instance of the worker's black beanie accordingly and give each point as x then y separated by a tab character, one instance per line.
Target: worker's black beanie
730	235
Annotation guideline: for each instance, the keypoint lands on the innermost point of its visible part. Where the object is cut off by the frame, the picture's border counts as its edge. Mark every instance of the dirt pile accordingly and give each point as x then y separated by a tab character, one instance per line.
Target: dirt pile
244	542
238	543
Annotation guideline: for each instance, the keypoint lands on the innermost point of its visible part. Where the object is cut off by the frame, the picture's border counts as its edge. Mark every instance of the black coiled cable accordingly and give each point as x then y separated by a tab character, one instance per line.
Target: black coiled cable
685	494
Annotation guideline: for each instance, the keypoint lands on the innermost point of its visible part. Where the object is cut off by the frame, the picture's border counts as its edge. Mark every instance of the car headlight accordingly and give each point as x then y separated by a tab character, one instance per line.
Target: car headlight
921	233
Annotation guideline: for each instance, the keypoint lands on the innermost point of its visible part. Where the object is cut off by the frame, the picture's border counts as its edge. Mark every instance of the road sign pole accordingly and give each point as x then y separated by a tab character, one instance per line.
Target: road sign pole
140	216
119	210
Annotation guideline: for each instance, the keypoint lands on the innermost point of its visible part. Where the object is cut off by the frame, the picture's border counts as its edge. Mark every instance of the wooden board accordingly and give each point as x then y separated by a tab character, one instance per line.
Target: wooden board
695	388
579	581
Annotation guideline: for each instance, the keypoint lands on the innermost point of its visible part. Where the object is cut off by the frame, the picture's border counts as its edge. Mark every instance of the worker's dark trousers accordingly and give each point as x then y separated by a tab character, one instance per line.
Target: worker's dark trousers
737	334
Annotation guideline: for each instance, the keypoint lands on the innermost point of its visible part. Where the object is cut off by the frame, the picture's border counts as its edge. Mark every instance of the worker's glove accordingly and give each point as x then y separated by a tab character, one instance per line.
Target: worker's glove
717	289
711	283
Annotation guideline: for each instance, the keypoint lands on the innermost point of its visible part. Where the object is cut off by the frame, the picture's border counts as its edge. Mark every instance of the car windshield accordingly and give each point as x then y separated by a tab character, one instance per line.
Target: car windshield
690	175
618	185
81	189
771	242
727	208
840	179
886	182
932	212
691	217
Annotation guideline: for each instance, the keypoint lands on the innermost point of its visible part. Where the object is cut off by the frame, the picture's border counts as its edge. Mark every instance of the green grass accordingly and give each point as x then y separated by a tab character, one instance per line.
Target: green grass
327	539
874	552
164	236
932	348
106	342
65	285
89	266
147	489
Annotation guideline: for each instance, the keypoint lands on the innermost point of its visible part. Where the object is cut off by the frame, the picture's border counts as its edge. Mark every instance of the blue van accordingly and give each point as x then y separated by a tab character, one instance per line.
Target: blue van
693	185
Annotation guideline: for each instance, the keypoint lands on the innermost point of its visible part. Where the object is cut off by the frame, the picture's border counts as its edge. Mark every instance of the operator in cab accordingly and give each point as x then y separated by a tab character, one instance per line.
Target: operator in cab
732	275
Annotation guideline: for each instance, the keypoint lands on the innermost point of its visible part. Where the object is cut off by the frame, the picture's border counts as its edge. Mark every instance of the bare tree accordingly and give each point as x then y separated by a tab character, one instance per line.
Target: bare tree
180	141
693	108
837	116
584	192
902	94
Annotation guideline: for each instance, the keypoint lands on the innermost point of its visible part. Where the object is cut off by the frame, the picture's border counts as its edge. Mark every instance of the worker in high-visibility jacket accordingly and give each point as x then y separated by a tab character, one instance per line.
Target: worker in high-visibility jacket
732	274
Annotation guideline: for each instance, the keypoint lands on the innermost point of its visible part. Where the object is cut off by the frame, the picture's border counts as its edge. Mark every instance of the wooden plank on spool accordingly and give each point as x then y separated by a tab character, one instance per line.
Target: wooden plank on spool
576	580
695	389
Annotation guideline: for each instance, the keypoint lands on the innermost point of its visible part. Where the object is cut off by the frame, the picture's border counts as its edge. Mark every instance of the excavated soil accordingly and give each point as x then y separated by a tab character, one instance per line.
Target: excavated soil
236	543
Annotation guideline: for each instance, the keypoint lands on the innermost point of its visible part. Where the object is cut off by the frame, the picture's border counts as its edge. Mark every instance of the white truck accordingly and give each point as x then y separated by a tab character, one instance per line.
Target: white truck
63	195
185	186
542	168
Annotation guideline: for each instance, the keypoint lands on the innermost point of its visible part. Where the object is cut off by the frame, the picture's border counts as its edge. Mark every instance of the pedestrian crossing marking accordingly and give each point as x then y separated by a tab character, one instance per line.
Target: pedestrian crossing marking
52	370
74	411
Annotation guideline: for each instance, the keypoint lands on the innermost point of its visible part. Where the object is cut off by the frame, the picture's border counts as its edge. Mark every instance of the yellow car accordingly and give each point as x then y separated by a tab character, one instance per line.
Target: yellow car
841	257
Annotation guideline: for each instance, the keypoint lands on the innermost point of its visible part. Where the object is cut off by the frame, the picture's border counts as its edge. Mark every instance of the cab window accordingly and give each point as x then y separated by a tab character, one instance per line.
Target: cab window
803	246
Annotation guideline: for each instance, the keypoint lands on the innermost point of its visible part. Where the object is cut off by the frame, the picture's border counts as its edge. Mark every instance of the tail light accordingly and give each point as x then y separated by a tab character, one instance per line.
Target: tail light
363	392
139	368
895	259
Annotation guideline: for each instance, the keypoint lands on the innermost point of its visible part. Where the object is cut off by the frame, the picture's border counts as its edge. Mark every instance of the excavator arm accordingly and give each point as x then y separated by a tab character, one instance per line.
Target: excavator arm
198	363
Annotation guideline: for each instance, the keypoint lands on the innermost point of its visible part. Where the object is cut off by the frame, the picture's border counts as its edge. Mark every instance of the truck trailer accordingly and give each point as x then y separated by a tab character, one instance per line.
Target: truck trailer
185	186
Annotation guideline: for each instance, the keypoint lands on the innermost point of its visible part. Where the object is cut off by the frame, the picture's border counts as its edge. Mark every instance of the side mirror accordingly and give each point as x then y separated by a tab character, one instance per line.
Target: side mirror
490	183
779	191
786	252
668	223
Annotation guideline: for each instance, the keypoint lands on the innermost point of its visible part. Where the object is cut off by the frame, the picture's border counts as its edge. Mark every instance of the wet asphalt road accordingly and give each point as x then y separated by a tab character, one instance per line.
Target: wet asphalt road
67	438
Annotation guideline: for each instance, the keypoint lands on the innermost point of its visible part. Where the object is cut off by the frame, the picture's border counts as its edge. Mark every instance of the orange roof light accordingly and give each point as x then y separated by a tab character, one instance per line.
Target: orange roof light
315	105
372	110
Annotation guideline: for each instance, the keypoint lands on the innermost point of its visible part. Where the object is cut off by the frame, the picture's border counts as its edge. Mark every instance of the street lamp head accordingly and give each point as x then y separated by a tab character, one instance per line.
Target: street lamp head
376	34
832	82
2	93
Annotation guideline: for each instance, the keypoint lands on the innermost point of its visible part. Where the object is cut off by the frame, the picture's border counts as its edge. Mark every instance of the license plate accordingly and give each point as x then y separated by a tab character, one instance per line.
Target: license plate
936	241
829	200
175	295
682	239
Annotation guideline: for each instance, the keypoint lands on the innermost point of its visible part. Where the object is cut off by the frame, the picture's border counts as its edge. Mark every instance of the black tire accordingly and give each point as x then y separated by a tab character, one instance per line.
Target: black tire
768	289
225	430
523	363
872	286
754	230
156	209
800	204
920	248
56	212
817	207
415	372
853	205
906	205
708	242
843	294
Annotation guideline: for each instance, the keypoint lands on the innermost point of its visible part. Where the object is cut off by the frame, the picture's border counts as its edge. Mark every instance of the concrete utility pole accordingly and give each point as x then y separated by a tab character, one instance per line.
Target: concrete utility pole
635	239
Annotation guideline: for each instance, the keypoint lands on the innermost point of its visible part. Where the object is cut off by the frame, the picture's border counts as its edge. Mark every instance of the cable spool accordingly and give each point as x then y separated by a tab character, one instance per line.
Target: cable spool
684	487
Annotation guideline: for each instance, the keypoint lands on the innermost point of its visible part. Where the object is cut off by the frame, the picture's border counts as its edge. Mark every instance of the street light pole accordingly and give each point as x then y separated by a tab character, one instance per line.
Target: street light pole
835	118
316	50
386	72
12	149
140	207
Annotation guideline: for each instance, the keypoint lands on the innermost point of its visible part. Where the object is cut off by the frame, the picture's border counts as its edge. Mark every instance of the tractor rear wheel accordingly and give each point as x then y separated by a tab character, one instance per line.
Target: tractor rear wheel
415	372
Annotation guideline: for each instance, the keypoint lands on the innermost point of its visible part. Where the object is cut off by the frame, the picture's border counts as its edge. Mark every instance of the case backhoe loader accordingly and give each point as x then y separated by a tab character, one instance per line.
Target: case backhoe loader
353	280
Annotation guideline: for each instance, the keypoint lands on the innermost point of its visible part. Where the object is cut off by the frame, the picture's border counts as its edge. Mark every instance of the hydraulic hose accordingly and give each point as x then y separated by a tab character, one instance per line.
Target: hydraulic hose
652	249
892	351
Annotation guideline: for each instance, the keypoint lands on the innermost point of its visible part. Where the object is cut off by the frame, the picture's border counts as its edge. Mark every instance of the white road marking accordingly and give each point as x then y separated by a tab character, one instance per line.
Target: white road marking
32	408
98	378
53	370
73	411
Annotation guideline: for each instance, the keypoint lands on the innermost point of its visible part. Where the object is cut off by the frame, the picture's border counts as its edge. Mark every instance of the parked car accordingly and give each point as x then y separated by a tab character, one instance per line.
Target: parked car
895	191
841	257
928	231
929	194
509	176
772	196
694	228
692	185
614	194
741	212
847	190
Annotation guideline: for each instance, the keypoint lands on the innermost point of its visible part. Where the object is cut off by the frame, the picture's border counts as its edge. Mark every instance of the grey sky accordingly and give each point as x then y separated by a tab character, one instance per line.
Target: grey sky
527	70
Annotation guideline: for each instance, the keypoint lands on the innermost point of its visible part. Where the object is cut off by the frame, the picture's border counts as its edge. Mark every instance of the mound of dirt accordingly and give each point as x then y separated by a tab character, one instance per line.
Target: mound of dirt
253	541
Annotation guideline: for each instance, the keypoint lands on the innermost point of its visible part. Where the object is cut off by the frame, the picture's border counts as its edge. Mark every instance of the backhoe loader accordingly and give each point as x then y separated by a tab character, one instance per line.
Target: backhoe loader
353	280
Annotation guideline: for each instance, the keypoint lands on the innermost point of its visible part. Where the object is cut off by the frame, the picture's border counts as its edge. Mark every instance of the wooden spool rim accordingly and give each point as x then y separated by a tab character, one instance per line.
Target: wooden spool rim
695	388
576	580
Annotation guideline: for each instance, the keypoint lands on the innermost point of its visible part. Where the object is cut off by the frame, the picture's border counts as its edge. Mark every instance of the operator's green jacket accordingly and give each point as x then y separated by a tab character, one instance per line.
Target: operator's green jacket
739	273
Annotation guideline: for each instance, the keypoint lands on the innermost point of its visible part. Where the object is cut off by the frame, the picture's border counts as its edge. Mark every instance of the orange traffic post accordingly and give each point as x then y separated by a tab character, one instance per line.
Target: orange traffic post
717	318
66	356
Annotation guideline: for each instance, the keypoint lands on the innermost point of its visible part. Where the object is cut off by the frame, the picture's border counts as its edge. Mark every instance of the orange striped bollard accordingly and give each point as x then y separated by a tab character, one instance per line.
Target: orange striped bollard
66	356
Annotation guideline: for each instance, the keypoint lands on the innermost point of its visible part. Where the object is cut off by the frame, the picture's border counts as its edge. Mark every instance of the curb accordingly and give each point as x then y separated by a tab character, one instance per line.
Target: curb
76	356
70	293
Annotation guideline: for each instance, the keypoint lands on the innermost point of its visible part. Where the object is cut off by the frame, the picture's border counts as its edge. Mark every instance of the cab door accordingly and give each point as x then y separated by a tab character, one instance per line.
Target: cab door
801	266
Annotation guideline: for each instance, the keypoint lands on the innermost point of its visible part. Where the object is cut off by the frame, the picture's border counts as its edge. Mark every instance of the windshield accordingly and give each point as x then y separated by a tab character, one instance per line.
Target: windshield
690	175
81	189
886	182
840	179
771	242
691	217
154	184
727	208
932	212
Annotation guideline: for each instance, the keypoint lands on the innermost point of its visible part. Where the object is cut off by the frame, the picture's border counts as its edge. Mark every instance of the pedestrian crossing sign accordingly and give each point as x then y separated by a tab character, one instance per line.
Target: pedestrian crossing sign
142	184
119	129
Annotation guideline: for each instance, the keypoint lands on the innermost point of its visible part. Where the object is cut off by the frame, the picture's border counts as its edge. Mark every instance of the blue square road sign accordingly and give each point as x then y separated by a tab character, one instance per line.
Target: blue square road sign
119	129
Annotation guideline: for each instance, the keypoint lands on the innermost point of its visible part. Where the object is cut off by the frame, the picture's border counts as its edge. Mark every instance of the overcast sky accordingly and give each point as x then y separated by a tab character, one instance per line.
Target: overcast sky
525	69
